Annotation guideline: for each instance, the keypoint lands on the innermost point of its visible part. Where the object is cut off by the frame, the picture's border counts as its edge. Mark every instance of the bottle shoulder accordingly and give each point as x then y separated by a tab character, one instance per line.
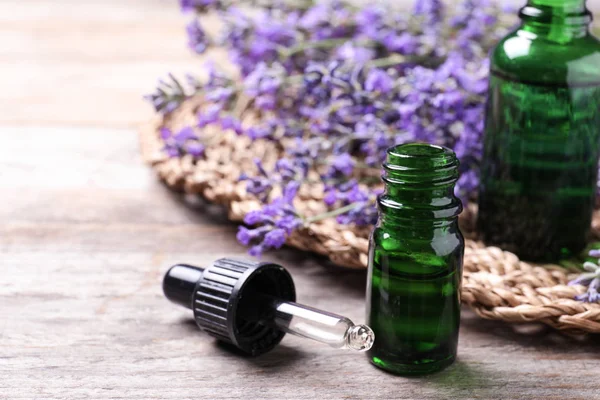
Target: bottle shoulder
523	55
441	241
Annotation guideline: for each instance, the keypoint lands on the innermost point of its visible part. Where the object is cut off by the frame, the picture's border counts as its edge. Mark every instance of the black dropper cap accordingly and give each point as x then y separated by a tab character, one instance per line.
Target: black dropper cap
215	293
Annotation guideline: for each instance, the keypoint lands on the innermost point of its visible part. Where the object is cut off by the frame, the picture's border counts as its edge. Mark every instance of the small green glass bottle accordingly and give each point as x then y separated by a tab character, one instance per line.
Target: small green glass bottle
542	134
415	262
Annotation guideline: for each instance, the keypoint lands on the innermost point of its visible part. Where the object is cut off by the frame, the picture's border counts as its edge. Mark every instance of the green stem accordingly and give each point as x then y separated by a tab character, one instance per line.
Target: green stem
389	61
571	265
366	180
298	5
322	44
330	214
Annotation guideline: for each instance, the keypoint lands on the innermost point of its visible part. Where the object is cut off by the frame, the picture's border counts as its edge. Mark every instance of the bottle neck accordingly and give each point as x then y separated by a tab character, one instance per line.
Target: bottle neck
556	20
418	209
419	187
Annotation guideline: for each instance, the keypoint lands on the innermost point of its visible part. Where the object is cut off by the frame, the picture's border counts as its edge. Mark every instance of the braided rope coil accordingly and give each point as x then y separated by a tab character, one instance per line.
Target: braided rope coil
496	284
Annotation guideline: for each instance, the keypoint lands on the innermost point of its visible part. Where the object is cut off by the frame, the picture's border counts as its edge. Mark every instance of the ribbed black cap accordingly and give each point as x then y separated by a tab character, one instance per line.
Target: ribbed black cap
223	296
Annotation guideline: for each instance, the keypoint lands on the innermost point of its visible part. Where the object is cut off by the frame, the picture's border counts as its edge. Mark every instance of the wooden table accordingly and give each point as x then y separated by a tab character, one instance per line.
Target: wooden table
87	233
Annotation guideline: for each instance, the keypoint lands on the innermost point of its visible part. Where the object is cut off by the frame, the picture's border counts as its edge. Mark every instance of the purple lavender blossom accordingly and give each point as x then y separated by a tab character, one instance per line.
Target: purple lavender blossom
168	95
351	52
591	279
594	253
360	200
257	37
275	31
364	213
185	141
210	115
275	239
170	147
342	164
245	236
197	39
220	95
218	88
403	43
230	122
468	183
277	220
263	85
310	75
259	185
431	9
379	81
184	135
216	78
370	21
198	5
286	169
264	131
327	21
195	149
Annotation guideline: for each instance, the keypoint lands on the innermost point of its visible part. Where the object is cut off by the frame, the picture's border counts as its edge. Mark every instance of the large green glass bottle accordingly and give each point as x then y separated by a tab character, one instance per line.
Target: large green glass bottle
415	262
542	133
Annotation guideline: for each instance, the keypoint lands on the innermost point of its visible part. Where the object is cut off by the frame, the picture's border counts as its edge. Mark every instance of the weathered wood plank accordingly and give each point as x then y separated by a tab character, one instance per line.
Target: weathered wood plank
87	62
82	312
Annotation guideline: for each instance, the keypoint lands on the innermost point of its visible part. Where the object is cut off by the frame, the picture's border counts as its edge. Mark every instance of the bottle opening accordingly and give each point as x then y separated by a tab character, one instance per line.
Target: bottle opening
418	149
559	3
420	156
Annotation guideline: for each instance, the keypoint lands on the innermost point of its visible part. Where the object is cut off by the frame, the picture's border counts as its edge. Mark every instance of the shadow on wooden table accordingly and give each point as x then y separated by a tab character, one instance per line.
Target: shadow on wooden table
462	379
276	360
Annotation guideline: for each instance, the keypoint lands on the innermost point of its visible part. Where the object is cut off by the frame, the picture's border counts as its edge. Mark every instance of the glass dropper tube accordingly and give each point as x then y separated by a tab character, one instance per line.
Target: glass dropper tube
334	330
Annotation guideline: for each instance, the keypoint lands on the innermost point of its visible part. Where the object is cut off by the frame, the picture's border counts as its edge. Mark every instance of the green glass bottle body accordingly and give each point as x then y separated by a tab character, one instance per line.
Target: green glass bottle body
542	134
415	262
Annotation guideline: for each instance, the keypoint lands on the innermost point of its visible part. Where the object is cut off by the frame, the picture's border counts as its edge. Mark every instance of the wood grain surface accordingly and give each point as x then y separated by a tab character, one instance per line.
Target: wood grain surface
87	234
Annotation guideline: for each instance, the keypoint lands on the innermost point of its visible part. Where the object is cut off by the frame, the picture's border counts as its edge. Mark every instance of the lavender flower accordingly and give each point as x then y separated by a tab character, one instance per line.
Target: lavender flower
277	220
263	84
168	95
197	5
336	85
591	279
370	21
263	131
197	38
359	201
327	21
431	9
259	185
351	52
403	43
218	88
185	141
230	122
209	115
379	81
362	213
342	164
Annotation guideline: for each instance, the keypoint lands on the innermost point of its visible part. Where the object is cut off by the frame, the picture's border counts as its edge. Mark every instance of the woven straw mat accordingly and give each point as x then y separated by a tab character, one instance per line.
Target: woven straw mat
497	285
